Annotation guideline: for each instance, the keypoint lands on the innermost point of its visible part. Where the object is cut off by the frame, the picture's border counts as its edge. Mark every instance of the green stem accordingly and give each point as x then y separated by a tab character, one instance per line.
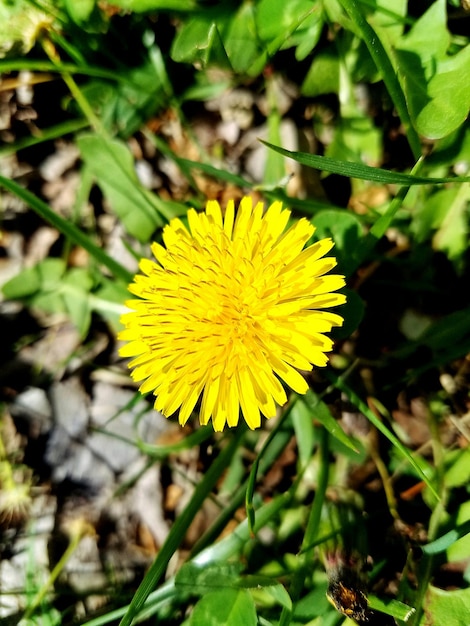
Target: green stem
73	544
311	531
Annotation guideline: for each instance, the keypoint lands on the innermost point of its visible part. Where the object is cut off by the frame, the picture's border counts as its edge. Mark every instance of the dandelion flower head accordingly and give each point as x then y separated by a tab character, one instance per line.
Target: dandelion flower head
233	307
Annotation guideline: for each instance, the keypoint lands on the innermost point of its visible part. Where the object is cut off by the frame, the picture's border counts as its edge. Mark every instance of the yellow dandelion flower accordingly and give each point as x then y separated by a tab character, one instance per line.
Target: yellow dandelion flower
232	308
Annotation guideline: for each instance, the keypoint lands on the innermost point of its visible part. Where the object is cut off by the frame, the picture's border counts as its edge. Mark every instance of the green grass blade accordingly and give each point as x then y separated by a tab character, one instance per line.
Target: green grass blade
217	173
364	409
180	527
362	171
321	412
48	134
267	457
385	67
15	65
67	229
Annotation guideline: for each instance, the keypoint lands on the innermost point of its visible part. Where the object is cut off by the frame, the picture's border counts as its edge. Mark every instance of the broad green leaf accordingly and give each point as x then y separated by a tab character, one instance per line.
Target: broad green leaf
269	586
307	36
222	37
49	302
198	40
227	607
24	284
199	580
457	468
124	106
396	609
276	18
241	42
50	271
283	25
352	311
442	114
356	137
390	17
315	604
346	230
77	304
111	162
80	11
434	114
460	550
428	38
429	74
79	278
451	608
323	75
108	300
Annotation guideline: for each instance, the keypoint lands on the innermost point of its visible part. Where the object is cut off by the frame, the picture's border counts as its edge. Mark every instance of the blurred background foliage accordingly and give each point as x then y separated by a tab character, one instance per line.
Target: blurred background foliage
375	95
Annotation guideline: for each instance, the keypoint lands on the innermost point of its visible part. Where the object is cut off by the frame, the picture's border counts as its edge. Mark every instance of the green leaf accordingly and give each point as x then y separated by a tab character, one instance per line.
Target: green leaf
222	37
433	113
77	304
79	10
282	25
50	271
447	540
79	278
459	550
429	75
49	302
277	591
227	607
199	41
451	608
124	106
112	165
323	75
24	284
108	300
359	170
442	114
346	230
428	38
303	427
458	468
352	311
241	42
198	580
396	609
142	6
